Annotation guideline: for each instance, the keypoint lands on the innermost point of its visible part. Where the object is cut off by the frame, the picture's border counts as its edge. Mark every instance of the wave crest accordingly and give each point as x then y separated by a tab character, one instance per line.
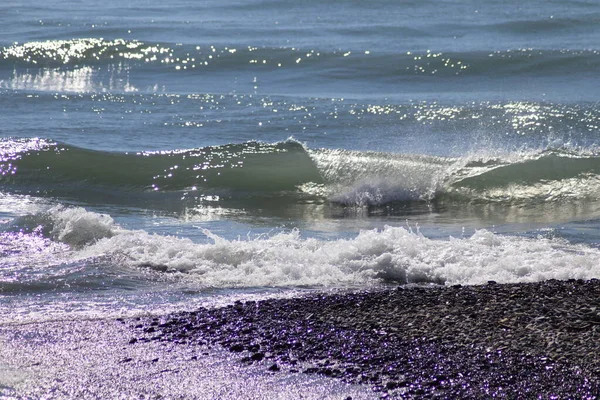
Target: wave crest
289	169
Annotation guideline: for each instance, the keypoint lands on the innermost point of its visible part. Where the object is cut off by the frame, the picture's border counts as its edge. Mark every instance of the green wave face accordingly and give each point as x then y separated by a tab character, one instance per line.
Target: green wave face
549	166
247	166
551	175
249	170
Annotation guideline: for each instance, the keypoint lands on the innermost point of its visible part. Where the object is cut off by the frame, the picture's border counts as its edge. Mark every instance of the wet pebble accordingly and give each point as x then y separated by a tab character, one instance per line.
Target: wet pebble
494	340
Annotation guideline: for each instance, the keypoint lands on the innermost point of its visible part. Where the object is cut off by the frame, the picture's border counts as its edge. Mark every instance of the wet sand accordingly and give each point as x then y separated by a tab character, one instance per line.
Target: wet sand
508	341
94	359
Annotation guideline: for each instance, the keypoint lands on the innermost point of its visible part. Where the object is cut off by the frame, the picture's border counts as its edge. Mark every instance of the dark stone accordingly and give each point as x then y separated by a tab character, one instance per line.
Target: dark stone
391	385
236	348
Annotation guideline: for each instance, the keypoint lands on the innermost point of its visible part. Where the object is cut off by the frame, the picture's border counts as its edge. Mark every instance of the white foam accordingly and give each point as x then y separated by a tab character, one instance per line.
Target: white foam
10	376
287	259
391	254
78	227
371	178
67	229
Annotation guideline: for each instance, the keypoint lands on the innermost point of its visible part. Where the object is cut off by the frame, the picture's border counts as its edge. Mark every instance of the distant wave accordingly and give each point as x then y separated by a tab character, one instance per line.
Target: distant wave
354	178
33	64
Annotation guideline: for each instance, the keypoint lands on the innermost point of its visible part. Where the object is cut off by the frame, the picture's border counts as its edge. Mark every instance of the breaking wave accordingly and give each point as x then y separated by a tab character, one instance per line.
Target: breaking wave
392	254
354	178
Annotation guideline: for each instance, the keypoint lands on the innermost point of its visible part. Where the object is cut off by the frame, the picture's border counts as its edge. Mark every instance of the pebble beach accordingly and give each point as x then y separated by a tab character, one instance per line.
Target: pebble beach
537	340
521	340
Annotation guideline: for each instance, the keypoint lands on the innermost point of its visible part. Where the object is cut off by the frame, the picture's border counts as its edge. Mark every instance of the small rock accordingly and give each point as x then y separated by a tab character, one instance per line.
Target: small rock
236	348
391	385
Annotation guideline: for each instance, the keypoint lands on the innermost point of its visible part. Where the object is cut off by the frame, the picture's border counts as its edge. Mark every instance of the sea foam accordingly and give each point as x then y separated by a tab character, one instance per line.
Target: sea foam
287	259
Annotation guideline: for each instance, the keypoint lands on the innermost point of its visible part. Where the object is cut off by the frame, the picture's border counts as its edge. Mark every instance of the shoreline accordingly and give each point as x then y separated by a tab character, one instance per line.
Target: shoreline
524	340
94	359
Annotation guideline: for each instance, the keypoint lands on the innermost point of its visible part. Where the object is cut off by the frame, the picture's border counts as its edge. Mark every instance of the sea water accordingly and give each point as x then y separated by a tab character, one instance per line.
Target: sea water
157	156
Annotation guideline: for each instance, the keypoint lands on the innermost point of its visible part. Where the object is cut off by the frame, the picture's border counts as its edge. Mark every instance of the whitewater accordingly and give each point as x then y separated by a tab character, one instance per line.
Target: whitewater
394	254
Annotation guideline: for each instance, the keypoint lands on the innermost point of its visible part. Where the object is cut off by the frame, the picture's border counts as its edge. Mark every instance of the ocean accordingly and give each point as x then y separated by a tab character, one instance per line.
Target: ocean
161	156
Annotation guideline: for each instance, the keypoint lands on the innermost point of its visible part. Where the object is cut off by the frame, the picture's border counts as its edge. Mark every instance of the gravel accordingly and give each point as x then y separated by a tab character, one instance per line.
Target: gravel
508	341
